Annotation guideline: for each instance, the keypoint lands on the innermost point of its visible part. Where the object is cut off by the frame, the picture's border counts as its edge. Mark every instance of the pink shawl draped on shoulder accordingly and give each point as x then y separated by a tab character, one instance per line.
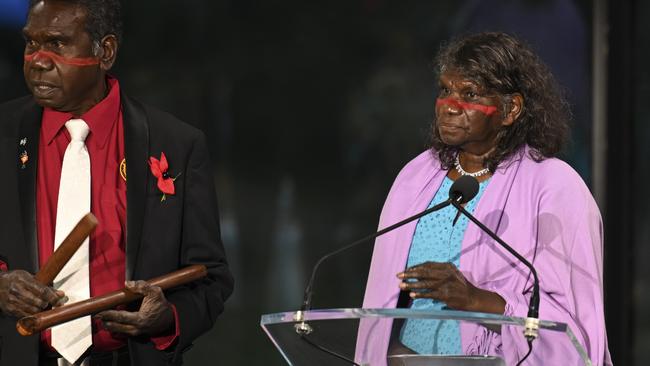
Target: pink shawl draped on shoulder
546	213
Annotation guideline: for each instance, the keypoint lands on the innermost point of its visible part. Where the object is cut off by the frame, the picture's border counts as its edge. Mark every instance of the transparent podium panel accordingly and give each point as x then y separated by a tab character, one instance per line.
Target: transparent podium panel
372	337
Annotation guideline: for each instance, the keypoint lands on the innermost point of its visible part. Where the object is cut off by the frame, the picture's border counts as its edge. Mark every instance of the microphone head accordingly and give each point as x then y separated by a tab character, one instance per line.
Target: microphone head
464	189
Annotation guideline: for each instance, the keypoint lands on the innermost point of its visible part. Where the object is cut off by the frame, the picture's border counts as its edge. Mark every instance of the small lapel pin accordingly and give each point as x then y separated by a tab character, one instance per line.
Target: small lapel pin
24	158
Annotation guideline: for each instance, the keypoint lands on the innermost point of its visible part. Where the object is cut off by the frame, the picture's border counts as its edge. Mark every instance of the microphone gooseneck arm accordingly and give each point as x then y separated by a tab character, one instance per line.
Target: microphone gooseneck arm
463	190
532	321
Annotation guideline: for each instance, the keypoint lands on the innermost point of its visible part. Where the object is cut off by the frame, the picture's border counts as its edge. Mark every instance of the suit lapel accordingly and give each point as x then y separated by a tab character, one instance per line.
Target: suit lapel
29	132
136	145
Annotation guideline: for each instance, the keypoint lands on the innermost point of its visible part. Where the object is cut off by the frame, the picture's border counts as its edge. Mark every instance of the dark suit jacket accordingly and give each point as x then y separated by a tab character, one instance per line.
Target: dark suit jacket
161	236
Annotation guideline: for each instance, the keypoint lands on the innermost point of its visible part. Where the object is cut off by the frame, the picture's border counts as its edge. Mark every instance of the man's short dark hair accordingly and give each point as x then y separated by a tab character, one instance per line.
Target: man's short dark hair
103	17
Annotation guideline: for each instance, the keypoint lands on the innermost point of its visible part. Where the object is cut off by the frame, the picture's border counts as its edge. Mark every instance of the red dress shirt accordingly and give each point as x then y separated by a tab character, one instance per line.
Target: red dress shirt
105	144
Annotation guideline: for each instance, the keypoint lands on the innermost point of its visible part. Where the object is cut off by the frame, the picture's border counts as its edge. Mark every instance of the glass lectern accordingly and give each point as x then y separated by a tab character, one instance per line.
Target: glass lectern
329	337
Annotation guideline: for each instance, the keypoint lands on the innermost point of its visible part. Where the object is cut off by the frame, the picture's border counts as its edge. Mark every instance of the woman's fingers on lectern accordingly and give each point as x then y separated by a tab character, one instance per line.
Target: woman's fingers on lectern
438	281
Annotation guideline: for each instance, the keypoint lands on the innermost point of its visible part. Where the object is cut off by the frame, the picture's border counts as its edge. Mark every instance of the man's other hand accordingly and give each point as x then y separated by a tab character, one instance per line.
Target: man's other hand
21	295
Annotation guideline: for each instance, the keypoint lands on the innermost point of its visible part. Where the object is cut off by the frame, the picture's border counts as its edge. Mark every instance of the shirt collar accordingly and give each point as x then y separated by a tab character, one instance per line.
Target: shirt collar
100	118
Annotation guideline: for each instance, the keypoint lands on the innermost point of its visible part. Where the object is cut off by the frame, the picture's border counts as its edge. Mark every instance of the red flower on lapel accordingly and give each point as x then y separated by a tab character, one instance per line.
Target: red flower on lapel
159	169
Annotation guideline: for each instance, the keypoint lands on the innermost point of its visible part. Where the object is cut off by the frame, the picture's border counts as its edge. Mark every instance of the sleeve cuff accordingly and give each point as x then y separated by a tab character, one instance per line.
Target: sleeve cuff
165	341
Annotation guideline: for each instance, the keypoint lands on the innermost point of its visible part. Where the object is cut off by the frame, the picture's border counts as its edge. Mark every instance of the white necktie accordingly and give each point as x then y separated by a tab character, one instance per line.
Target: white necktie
71	339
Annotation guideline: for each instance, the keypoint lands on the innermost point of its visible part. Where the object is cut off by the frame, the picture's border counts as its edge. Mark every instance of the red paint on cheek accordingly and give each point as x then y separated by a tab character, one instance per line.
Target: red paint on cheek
72	61
488	110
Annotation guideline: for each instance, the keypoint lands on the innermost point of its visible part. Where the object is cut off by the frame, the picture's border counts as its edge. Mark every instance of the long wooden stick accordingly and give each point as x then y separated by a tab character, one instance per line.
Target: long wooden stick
66	249
35	323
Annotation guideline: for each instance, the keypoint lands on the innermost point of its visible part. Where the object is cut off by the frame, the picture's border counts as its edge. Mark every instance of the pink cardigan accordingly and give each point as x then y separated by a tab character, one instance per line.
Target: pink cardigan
546	213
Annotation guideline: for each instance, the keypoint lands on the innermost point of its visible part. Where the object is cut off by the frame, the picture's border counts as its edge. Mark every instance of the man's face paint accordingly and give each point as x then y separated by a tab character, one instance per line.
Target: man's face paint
59	66
71	61
488	110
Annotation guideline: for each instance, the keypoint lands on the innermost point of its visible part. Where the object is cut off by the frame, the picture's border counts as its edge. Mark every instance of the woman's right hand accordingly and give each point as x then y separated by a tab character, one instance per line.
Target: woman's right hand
445	282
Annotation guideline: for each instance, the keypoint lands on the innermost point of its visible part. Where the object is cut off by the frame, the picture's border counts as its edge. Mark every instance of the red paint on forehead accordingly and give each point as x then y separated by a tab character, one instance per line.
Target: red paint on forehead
72	61
488	110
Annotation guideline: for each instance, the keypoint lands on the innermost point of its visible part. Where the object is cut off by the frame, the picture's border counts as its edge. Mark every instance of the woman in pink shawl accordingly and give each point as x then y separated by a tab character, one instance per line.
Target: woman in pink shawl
499	117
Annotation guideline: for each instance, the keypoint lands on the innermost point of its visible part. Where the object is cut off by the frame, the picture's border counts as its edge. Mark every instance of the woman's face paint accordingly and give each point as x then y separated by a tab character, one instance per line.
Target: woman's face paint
71	61
488	110
465	115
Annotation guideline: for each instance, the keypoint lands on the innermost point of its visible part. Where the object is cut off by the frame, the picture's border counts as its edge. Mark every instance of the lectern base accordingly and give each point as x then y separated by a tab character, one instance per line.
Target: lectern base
435	360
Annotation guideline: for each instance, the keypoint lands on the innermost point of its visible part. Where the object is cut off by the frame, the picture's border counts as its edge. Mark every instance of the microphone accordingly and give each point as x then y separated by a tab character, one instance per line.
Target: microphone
462	191
531	328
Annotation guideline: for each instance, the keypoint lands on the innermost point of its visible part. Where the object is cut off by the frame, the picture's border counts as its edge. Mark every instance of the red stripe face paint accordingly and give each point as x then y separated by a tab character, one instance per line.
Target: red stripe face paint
72	61
488	110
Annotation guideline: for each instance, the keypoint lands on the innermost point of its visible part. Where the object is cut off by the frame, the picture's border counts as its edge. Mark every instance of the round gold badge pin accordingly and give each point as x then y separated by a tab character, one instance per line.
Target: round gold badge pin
123	169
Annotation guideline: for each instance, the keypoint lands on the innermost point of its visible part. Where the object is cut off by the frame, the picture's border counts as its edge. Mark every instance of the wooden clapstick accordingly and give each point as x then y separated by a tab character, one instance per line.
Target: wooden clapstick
66	249
35	323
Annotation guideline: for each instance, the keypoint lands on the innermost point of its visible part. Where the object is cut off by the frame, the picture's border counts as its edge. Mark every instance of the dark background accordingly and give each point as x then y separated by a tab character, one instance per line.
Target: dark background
312	107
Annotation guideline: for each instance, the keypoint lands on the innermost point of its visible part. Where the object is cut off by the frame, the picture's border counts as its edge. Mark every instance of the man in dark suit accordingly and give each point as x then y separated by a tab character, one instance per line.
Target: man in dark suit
154	217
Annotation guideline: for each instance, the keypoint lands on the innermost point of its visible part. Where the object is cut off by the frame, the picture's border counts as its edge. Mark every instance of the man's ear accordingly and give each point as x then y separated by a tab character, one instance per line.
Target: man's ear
108	54
516	104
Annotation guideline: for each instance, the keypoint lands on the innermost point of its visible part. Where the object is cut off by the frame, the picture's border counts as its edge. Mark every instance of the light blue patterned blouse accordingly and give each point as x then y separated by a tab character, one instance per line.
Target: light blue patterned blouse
437	240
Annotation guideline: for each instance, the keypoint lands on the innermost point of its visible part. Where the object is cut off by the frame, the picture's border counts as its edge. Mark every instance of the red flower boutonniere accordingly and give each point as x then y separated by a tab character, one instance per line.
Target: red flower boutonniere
159	169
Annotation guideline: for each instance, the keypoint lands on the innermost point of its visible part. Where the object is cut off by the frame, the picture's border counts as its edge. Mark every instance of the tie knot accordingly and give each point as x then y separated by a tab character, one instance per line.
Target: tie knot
78	129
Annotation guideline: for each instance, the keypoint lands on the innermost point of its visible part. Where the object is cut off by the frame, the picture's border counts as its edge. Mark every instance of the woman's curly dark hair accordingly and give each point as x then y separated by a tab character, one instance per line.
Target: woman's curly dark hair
504	65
